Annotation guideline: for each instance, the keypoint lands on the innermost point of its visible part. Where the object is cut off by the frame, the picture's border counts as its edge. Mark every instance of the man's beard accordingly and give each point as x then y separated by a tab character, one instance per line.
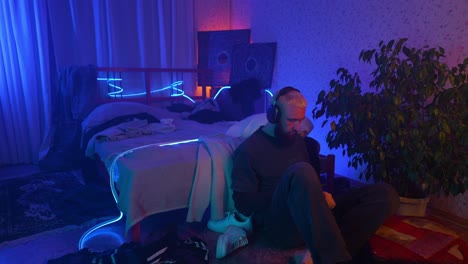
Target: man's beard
284	138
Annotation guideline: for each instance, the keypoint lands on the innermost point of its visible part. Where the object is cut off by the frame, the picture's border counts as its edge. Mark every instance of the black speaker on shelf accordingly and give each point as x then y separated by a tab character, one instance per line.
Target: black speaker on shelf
215	54
256	60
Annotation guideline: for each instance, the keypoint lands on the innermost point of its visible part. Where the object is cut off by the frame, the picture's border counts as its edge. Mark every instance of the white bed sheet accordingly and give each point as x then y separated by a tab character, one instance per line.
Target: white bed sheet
154	179
184	130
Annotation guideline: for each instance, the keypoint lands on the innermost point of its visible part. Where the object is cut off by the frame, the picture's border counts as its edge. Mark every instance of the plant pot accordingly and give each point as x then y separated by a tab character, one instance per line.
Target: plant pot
413	206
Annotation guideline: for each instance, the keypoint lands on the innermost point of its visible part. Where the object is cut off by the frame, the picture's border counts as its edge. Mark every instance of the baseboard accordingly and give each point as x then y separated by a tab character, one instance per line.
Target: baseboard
437	213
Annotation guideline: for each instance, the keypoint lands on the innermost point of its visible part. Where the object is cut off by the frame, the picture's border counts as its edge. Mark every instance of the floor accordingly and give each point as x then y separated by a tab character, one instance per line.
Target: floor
53	244
56	243
457	224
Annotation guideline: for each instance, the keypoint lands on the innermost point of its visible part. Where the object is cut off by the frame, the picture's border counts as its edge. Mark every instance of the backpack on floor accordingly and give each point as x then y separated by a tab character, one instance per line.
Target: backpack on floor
169	249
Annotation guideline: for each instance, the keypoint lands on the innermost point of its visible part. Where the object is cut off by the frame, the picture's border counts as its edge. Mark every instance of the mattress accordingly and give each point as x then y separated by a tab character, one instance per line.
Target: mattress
152	175
185	130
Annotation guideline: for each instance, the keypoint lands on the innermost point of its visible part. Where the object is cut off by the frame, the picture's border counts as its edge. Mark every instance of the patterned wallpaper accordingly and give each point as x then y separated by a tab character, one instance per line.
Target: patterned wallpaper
316	37
212	15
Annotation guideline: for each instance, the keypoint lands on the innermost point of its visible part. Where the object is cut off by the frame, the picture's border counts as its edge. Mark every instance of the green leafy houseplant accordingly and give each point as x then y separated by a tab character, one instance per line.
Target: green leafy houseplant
410	130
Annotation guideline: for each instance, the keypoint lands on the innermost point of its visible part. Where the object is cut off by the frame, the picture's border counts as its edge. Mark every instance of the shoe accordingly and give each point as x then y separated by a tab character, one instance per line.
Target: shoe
233	238
231	219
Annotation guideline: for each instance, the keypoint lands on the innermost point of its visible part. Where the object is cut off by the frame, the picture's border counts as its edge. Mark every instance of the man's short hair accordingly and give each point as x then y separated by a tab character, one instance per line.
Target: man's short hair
292	97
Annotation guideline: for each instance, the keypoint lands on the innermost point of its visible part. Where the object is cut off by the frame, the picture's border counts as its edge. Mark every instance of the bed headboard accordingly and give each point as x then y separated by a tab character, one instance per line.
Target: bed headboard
180	85
150	85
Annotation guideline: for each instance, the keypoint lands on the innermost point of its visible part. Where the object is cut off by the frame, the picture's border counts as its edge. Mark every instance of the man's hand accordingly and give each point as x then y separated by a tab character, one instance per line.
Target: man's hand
329	198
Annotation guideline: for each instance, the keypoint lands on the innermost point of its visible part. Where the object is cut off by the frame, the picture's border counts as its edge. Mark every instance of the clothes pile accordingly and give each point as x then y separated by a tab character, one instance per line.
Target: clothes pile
169	249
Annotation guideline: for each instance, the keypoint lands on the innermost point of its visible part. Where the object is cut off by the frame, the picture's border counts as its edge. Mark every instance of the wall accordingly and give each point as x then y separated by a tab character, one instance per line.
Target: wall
317	37
212	14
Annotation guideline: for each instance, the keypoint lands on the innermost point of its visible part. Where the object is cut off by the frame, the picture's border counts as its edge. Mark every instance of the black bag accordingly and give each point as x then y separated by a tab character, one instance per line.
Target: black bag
169	249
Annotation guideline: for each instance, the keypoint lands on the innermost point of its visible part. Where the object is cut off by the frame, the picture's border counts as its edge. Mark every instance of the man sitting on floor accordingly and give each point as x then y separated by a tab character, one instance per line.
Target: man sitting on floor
277	193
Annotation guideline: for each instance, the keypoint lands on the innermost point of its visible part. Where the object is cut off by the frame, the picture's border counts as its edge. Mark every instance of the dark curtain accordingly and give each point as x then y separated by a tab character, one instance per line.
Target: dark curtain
42	39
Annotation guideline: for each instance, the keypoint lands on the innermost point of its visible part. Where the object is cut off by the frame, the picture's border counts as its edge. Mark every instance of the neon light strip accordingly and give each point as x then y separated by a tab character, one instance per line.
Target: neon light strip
114	192
178	142
109	79
120	90
172	86
229	87
222	88
96	227
112	168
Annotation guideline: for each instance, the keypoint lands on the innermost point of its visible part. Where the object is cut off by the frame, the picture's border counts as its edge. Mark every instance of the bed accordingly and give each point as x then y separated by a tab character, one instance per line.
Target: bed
158	160
152	173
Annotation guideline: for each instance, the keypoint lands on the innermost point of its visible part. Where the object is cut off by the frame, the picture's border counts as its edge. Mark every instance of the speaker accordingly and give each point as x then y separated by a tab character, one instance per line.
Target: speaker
273	112
215	54
253	61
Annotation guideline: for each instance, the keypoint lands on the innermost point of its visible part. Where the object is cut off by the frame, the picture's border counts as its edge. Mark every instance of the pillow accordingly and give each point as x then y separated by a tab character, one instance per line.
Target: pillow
247	126
109	111
306	127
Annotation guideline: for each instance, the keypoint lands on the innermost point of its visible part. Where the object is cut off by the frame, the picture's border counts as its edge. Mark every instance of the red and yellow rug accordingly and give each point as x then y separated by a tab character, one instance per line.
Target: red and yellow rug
418	240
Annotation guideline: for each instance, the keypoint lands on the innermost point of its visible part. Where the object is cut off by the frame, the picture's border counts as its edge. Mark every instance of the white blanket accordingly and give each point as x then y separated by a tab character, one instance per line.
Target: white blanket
131	129
212	178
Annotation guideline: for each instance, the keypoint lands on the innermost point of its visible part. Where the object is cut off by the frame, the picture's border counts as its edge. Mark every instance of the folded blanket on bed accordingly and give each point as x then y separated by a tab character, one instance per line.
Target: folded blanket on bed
212	179
97	125
131	129
128	131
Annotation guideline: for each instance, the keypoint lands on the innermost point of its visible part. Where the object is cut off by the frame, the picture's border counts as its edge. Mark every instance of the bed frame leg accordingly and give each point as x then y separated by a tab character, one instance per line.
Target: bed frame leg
135	233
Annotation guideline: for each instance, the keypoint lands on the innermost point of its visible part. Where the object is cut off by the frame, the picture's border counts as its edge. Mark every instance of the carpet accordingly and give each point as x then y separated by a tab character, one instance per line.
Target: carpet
405	239
46	201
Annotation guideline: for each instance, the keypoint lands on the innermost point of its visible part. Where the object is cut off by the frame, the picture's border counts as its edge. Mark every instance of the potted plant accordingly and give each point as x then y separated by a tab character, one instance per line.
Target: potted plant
410	128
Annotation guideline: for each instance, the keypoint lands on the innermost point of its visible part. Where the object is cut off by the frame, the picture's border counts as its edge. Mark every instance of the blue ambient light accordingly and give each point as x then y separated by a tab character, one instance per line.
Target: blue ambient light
178	142
229	87
109	234
84	237
119	90
222	88
87	234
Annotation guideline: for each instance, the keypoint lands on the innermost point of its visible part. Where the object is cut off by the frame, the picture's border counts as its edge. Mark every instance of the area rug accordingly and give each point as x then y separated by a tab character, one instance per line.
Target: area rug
46	201
405	239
